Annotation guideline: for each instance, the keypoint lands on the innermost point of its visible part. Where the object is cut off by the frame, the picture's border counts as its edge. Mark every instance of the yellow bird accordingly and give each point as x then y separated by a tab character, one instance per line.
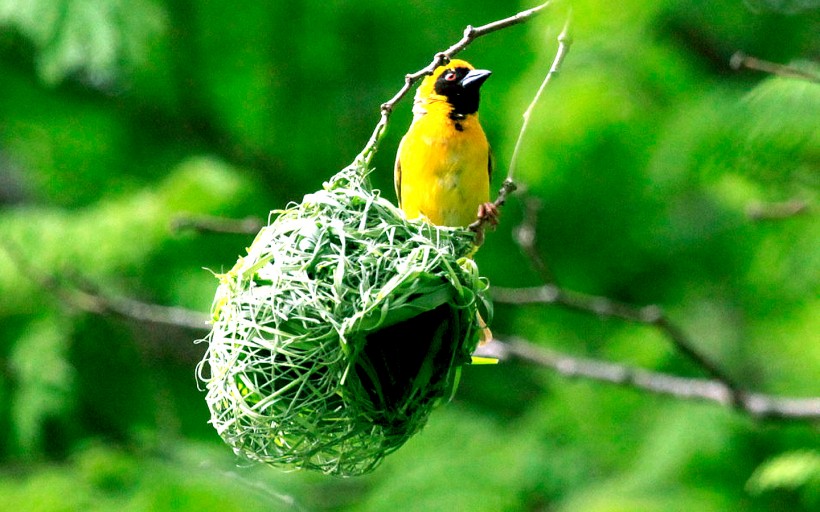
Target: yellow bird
443	166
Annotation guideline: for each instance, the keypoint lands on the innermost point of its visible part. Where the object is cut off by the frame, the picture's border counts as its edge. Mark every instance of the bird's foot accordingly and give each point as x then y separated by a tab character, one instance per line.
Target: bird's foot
488	213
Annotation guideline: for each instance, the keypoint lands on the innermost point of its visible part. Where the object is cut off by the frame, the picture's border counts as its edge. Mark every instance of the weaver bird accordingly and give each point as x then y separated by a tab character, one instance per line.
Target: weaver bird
443	166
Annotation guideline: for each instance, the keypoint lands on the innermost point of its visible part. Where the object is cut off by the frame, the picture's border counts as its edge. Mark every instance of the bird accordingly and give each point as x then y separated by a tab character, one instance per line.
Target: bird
444	164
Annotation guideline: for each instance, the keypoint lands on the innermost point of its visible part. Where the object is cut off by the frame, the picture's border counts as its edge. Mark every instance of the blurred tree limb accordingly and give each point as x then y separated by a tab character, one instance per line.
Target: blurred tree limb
741	60
720	388
213	224
712	390
777	211
81	297
550	293
74	292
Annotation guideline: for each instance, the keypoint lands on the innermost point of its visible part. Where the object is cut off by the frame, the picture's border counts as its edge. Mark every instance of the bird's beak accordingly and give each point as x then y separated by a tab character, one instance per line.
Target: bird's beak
474	78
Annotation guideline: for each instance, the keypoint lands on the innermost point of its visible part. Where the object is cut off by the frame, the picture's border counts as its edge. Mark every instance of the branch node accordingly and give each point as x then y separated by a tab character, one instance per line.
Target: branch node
737	60
651	314
601	306
550	293
440	59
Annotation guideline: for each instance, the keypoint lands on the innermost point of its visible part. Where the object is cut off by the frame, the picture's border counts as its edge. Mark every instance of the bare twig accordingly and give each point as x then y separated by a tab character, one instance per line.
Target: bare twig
470	34
712	390
213	224
564	42
526	236
127	307
509	186
83	299
550	293
777	211
605	307
741	60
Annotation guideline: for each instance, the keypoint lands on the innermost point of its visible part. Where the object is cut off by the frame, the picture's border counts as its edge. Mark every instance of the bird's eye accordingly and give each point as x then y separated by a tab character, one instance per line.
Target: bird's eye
450	76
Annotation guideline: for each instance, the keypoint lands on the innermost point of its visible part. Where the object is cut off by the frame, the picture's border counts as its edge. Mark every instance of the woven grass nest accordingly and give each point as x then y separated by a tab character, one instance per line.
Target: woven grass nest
340	331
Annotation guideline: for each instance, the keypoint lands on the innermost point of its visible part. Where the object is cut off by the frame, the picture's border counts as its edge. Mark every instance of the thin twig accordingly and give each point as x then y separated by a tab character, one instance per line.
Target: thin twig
564	42
470	34
602	306
83	299
777	211
526	236
146	312
653	315
213	224
509	186
741	60
758	405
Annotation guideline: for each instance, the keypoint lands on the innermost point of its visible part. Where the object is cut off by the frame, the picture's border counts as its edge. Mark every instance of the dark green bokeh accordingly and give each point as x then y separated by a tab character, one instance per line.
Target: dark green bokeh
117	116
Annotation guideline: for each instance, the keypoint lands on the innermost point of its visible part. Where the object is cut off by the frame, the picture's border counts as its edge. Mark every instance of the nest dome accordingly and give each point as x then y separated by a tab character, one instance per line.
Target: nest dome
340	331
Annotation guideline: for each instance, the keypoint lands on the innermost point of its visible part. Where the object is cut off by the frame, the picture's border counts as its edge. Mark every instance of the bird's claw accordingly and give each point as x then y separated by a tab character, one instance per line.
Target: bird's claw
488	213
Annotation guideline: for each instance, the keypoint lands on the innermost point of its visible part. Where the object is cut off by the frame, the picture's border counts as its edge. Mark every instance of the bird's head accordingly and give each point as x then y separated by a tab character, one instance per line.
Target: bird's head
456	83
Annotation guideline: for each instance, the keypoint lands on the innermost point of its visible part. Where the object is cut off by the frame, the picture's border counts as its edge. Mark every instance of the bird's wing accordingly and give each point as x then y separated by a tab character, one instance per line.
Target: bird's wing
397	173
490	164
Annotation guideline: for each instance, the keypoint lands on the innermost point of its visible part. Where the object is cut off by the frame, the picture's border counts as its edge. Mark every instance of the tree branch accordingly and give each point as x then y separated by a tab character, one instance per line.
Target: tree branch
602	306
509	186
213	224
525	235
741	60
550	293
777	211
564	42
470	34
82	298
758	405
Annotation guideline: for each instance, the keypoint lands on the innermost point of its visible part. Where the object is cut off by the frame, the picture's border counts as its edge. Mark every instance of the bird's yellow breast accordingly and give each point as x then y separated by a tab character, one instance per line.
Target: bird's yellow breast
444	167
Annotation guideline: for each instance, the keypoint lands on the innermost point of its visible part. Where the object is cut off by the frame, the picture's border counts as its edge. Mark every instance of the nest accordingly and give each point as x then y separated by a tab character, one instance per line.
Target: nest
340	331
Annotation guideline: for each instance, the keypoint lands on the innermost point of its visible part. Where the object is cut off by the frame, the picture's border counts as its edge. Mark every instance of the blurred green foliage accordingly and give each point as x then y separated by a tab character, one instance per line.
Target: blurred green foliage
116	117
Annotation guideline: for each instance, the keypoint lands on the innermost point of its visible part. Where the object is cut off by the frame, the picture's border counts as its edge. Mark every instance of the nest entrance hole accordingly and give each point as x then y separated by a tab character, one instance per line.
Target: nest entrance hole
407	362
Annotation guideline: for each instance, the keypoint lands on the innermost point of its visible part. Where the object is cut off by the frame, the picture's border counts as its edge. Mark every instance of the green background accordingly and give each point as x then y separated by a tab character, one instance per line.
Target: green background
117	116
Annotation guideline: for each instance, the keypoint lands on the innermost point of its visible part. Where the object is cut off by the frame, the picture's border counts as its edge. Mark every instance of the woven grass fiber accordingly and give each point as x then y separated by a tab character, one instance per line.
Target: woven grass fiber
340	331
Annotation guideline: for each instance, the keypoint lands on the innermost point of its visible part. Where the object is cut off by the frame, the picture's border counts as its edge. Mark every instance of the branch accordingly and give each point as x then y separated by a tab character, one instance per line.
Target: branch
777	211
741	60
213	224
564	42
470	34
127	307
525	235
509	186
84	299
551	293
605	307
757	405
